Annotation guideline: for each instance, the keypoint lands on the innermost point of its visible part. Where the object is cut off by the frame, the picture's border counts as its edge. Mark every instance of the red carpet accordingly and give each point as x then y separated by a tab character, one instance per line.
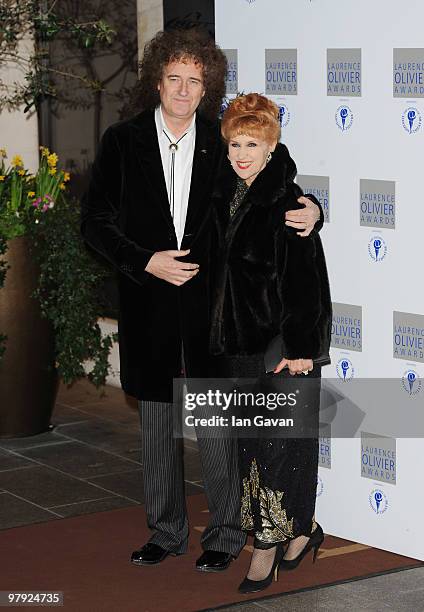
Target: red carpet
87	557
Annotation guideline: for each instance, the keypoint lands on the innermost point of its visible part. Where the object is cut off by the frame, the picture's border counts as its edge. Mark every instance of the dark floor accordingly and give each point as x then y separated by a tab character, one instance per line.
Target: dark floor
91	462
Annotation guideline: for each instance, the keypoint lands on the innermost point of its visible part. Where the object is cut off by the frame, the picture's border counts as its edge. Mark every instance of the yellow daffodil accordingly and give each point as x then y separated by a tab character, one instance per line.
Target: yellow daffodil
66	176
2	178
17	161
31	194
52	160
44	151
3	153
52	171
62	186
21	172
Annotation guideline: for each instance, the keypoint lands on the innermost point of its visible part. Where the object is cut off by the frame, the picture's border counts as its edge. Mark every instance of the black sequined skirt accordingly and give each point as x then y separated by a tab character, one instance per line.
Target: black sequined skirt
278	475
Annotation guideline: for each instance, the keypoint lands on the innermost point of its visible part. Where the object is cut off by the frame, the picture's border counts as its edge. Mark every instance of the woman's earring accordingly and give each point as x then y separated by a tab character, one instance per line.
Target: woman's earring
269	156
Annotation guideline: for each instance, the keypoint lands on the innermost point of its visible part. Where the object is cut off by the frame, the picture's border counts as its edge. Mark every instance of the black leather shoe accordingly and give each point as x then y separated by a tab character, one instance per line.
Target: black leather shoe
213	561
149	554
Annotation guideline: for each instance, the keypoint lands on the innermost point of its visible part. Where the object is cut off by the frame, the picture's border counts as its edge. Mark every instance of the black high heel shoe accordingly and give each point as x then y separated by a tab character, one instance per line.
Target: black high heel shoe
252	586
315	540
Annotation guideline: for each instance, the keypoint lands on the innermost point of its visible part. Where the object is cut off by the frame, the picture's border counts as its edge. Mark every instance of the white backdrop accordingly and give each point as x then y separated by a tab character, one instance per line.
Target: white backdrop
378	143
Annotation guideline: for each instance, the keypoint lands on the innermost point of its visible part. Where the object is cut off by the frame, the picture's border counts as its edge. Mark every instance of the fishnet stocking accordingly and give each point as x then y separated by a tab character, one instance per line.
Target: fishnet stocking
295	547
261	563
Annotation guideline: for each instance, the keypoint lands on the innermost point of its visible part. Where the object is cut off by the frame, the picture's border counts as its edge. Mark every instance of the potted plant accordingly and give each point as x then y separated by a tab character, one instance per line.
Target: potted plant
49	305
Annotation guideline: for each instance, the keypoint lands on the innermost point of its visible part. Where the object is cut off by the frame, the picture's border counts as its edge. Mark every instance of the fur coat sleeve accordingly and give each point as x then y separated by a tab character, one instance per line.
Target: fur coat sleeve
303	290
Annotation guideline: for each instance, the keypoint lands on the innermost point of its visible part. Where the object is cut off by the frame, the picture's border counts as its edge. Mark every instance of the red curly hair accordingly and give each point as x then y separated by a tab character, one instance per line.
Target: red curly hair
251	115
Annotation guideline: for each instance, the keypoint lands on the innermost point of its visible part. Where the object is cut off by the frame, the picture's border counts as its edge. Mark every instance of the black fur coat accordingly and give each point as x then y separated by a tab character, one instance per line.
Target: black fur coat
266	279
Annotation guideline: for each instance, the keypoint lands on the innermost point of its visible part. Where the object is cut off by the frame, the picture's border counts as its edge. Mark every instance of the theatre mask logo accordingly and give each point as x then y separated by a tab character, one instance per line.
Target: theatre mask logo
231	79
283	113
408	336
319	186
408	73
344	118
377	248
224	105
345	369
378	458
378	501
346	327
281	72
324	456
344	73
411	120
411	382
377	203
320	486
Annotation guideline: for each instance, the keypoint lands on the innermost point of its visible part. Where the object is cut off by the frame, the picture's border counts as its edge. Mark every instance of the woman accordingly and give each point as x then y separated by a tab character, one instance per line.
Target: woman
268	281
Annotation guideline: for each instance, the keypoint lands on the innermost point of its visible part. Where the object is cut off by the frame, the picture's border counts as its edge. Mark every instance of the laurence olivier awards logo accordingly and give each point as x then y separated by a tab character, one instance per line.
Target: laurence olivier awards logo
345	369
378	501
224	105
320	486
231	78
411	382
281	72
283	112
344	72
324	456
319	186
378	457
408	73
344	118
377	248
346	327
408	336
411	120
377	203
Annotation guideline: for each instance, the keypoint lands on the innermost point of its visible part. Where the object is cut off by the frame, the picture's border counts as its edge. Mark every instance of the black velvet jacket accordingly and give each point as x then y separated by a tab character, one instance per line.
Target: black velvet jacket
126	218
267	280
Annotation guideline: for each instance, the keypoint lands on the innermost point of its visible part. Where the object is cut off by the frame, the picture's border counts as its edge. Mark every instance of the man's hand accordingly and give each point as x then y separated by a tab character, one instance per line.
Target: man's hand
295	366
164	265
305	218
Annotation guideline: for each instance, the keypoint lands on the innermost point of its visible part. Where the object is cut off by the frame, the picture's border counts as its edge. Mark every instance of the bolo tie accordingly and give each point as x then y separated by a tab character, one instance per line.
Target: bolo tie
173	147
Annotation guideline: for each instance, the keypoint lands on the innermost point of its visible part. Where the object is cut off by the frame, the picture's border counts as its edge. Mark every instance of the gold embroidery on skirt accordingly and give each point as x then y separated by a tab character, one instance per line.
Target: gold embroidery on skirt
254	478
246	509
275	525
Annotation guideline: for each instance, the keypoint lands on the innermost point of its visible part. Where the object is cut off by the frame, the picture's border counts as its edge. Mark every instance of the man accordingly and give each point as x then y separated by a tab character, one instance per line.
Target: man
147	212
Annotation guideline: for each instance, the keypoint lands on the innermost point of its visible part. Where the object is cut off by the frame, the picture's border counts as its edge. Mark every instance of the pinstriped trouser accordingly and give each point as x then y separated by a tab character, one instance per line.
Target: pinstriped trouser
163	472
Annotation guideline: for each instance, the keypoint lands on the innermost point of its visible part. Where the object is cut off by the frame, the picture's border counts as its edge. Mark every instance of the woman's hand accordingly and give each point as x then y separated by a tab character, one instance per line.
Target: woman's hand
295	366
305	218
